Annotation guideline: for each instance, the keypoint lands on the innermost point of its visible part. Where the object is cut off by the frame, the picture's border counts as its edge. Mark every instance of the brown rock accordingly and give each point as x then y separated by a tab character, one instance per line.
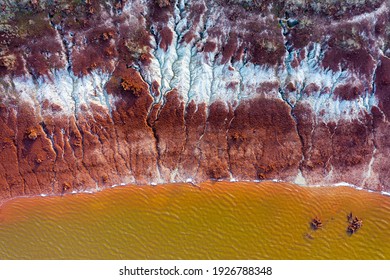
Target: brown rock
31	134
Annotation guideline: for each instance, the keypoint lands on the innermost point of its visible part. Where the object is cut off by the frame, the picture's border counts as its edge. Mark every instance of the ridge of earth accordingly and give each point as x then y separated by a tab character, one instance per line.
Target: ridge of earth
99	93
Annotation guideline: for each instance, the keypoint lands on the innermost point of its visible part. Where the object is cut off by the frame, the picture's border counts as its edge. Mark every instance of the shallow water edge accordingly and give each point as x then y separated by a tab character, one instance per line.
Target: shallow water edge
214	220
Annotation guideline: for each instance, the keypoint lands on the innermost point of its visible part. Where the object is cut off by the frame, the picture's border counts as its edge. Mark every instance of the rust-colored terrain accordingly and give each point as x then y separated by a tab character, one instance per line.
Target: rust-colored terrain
98	93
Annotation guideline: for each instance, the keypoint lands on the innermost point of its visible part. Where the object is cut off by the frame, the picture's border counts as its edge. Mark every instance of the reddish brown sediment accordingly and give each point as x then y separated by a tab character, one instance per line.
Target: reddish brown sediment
380	122
96	94
259	128
169	132
339	152
214	159
195	126
257	140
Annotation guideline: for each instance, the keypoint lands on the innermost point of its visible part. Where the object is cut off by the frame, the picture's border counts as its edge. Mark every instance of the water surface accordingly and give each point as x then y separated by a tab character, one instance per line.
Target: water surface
212	221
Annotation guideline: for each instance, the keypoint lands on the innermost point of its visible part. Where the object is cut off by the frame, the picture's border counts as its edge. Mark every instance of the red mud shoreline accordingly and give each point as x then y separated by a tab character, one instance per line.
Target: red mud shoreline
197	185
56	155
96	93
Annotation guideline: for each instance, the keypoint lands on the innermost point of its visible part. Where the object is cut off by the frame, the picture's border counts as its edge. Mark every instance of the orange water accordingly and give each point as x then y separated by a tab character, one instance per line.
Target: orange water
214	221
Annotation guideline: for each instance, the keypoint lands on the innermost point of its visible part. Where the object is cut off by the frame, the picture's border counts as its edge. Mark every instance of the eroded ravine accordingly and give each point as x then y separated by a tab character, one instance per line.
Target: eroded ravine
99	93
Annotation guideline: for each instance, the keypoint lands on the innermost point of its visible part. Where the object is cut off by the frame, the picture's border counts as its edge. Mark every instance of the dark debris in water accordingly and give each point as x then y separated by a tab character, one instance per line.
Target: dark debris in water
316	223
354	223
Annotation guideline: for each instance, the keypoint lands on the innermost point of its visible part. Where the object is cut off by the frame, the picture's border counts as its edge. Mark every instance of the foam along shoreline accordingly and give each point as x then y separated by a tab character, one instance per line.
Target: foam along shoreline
210	90
220	220
190	183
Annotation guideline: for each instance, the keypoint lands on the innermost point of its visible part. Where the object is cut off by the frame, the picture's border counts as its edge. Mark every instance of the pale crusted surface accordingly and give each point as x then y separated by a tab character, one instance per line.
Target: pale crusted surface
98	93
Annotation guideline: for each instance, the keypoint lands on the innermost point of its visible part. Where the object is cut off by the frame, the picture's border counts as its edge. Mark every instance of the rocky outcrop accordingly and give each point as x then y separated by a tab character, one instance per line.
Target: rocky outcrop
99	93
